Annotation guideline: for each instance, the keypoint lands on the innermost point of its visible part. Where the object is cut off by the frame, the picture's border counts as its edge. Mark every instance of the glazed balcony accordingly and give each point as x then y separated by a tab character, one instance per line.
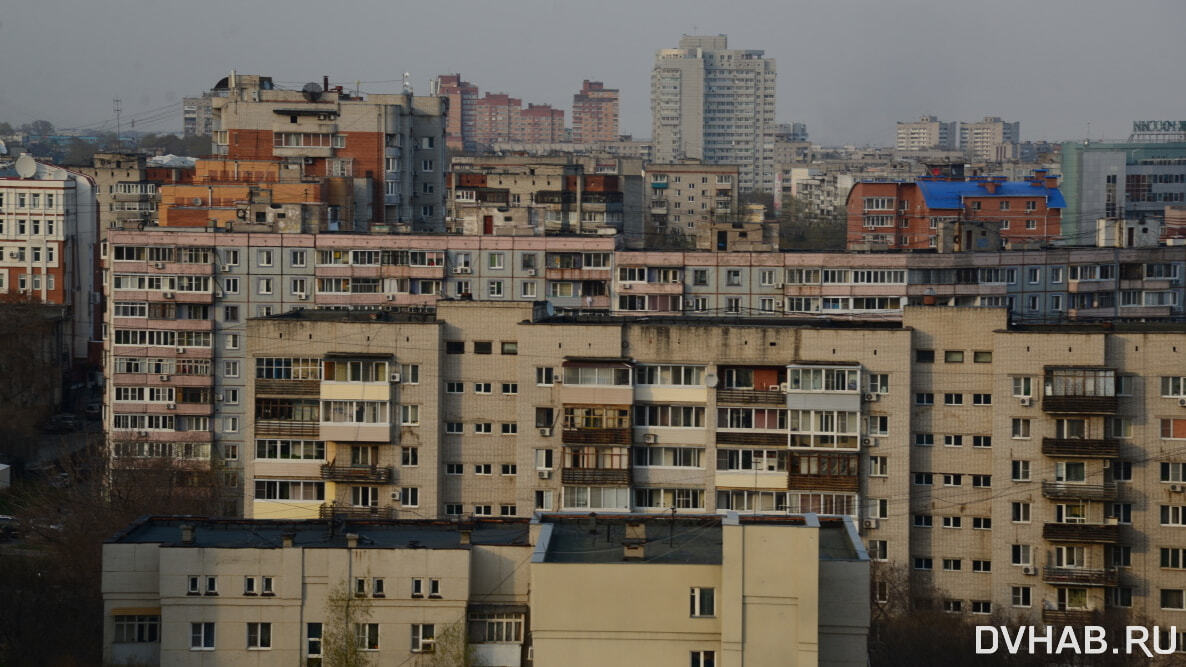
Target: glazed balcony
341	510
751	397
752	438
596	476
1098	533
1067	491
597	436
1081	448
1081	576
360	474
1090	405
284	428
848	483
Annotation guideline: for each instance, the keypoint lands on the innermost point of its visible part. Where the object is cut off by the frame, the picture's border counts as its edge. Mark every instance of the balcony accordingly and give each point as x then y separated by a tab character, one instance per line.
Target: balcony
849	483
1091	405
361	474
659	207
779	439
336	510
597	436
1082	576
1081	532
1076	448
1068	616
751	397
283	428
287	388
1065	491
596	476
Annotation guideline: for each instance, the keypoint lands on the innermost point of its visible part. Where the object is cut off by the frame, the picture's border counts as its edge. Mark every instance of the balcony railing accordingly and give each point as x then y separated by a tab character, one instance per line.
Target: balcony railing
1094	405
823	482
596	476
751	397
1093	449
745	438
1081	532
1068	616
597	436
349	473
1066	491
281	428
334	510
287	387
1076	575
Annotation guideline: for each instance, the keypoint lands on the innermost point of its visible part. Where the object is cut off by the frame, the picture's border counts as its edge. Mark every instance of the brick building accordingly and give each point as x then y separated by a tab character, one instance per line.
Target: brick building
459	128
595	114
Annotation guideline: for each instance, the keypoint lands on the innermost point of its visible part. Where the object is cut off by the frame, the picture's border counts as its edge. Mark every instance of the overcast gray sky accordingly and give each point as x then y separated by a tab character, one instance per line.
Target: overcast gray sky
847	68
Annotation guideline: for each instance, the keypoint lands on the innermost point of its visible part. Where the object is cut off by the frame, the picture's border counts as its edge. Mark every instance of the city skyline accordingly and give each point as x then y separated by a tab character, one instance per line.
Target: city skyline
1038	64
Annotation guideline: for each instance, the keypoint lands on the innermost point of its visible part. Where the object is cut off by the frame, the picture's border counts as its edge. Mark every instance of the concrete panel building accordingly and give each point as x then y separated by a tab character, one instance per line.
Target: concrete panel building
990	140
927	133
715	104
460	127
595	114
685	199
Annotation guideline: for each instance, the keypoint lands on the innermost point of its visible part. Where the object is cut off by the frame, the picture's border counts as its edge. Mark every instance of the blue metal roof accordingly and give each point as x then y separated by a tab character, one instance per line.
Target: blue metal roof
950	194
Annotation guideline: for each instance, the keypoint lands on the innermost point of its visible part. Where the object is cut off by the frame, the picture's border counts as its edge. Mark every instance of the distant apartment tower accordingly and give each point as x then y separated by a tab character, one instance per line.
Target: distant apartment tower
540	123
390	148
926	133
715	104
595	113
496	118
990	140
459	126
197	116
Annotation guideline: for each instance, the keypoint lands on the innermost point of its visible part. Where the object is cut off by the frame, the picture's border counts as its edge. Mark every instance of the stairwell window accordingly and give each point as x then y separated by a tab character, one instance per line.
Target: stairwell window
702	602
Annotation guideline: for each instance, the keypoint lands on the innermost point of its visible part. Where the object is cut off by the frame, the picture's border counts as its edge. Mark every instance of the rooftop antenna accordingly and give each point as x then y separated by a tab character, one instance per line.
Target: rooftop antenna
407	83
115	104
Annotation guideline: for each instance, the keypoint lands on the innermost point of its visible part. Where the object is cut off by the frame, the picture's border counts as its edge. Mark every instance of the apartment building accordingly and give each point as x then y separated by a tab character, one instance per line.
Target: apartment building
536	196
685	199
497	118
927	133
595	114
187	590
990	140
197	116
48	222
715	104
540	124
910	214
391	148
460	124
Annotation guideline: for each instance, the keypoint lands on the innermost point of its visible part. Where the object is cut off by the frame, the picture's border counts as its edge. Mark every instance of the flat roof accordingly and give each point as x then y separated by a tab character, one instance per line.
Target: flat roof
323	534
335	315
823	322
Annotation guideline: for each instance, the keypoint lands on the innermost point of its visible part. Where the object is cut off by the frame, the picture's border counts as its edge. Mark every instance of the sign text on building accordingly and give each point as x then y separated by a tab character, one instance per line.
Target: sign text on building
1158	126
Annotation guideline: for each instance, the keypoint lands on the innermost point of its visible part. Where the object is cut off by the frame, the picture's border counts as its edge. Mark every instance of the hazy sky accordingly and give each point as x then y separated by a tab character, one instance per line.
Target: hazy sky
847	68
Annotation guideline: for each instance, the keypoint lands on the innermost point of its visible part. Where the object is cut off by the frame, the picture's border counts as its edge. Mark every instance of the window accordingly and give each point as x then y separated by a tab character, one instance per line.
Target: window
1021	596
1023	387
423	637
510	387
981	399
137	629
1172	598
878	550
1021	512
454	387
981	523
701	602
953	522
509	428
454	347
1121	596
259	635
1021	429
201	636
704	659
921	563
953	357
952	479
509	469
366	636
1021	471
483	469
924	439
483	388
953	441
483	427
510	347
924	399
924	356
483	347
1173	558
923	479
982	441
313	645
409	456
952	564
211	585
1020	554
409	496
878	508
981	606
544	375
1173	515
953	399
923	521
454	469
409	415
878	466
981	481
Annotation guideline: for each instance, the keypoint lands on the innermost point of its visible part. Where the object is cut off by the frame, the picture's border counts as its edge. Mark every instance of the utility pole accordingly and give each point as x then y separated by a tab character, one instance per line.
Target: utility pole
115	104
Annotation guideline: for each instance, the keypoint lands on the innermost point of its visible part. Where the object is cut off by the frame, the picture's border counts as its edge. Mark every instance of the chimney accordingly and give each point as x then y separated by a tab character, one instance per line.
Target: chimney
286	539
325	83
1051	182
351	540
463	535
187	533
635	540
991	186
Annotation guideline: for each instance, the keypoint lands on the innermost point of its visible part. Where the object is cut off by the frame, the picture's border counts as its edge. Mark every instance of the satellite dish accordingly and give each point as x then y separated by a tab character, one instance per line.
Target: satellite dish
26	166
312	91
710	380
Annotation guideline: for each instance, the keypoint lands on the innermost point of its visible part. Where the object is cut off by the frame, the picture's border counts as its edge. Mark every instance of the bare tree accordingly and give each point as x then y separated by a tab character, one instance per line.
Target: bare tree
339	634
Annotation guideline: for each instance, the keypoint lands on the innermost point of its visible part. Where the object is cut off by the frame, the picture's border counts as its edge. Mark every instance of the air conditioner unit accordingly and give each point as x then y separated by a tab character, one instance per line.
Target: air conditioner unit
171	406
869	398
626	286
531	273
784	387
218	397
546	432
866	441
167	295
164	378
689	303
870	523
778	285
226	268
158	265
142	434
778	305
302	296
1029	570
874	442
1182	402
308	160
12	254
774	387
544	474
395	377
395	496
650	438
181	350
1176	488
1026	402
458	269
391	297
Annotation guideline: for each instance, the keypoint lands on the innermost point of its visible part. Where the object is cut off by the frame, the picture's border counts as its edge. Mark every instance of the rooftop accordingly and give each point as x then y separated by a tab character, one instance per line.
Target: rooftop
950	194
363	316
316	533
